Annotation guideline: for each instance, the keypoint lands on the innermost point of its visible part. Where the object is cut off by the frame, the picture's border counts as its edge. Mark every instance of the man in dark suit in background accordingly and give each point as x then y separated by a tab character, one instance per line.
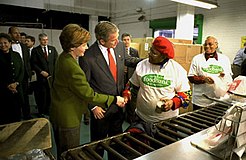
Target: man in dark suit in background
43	58
130	107
127	39
22	49
96	64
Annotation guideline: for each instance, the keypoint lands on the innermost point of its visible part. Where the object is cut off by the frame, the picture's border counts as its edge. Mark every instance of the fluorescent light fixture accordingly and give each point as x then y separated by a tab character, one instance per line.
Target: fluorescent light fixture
208	4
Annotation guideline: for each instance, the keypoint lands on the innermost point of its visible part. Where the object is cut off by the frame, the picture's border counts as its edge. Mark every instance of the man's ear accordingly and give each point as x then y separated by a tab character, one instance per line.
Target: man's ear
102	42
72	49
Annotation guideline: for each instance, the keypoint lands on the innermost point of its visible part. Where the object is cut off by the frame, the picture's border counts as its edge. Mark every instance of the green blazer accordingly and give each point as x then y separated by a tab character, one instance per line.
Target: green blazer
70	93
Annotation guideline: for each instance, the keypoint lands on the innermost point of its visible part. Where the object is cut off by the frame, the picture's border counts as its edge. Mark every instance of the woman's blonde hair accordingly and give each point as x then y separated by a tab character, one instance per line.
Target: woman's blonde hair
73	35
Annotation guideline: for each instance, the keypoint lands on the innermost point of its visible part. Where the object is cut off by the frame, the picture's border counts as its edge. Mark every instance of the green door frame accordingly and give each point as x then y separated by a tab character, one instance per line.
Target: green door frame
170	23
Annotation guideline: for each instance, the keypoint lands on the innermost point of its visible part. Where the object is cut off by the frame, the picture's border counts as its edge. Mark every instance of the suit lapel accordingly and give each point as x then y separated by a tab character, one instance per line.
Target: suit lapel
119	55
41	52
132	53
101	62
50	54
23	52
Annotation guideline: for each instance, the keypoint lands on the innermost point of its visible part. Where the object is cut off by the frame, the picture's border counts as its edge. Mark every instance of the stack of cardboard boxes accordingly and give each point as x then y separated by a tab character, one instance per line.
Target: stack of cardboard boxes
184	49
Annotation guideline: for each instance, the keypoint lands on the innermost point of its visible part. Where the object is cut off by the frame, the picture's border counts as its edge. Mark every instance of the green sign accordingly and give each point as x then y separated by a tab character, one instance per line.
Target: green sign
213	69
155	80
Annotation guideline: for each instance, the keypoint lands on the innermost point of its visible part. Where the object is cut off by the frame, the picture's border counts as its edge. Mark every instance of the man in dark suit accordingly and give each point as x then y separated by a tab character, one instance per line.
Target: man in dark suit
126	38
130	107
22	49
43	58
96	65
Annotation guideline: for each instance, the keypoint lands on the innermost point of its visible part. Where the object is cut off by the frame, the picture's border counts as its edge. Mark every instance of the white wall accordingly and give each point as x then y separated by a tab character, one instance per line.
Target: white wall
136	29
228	24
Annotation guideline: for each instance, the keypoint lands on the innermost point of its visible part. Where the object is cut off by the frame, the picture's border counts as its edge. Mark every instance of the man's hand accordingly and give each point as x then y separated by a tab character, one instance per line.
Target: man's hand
126	99
120	101
44	74
12	87
98	112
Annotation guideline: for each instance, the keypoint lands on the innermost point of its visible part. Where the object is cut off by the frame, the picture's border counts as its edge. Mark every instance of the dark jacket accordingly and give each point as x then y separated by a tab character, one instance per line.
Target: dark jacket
130	70
11	71
26	60
98	73
39	63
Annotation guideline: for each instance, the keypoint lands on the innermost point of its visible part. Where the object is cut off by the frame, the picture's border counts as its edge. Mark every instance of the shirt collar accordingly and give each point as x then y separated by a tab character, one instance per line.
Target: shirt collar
161	64
212	55
102	48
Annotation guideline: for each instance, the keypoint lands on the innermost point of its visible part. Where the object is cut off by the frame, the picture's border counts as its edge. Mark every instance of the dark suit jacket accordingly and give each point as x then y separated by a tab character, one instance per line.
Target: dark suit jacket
98	73
26	61
130	70
39	63
11	70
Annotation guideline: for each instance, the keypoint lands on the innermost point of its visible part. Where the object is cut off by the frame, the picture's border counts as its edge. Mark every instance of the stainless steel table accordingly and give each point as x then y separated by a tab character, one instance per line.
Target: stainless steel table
181	150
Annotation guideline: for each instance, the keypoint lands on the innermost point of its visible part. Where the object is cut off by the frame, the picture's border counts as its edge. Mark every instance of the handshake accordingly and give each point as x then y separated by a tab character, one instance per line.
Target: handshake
121	101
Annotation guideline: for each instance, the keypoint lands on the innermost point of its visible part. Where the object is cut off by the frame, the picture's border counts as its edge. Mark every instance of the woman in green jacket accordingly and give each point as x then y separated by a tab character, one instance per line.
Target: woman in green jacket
70	91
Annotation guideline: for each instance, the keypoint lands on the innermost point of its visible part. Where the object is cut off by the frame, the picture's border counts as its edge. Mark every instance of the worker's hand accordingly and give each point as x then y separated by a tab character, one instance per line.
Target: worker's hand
44	74
120	101
98	112
168	104
127	95
209	80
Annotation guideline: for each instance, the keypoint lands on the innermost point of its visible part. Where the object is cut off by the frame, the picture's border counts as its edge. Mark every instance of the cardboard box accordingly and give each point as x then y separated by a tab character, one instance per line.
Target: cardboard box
135	46
183	41
144	45
184	49
184	54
